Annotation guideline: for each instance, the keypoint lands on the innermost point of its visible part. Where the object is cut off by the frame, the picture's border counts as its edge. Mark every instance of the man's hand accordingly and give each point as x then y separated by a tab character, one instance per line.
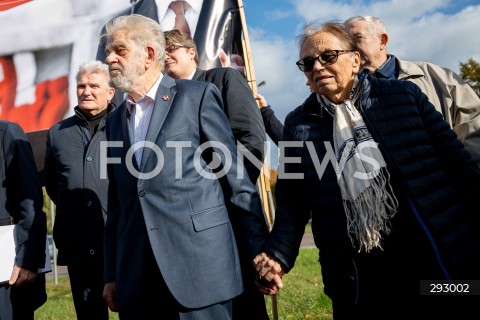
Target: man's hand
21	276
265	287
110	295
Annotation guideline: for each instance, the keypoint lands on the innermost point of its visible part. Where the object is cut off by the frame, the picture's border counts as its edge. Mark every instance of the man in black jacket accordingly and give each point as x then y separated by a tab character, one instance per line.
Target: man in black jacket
241	109
73	182
247	125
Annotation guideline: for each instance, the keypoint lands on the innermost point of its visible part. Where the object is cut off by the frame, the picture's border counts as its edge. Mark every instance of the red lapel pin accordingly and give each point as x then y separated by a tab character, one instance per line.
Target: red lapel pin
165	98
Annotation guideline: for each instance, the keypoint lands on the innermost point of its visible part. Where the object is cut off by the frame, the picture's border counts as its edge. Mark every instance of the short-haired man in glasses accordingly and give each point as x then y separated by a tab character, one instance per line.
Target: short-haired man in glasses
181	62
450	95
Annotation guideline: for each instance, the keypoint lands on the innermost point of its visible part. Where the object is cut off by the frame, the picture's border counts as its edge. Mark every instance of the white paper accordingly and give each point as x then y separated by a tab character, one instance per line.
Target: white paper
7	256
7	249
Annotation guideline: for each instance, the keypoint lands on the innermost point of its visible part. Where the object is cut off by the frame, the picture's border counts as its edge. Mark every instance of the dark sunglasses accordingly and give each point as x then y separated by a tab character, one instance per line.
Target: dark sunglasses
174	47
326	58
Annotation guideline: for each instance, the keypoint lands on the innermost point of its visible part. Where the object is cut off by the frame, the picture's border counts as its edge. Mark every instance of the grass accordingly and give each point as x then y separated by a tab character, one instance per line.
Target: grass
301	298
59	305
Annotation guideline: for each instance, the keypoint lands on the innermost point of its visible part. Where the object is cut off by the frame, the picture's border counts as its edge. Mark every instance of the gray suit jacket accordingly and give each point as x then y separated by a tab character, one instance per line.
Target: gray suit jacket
182	213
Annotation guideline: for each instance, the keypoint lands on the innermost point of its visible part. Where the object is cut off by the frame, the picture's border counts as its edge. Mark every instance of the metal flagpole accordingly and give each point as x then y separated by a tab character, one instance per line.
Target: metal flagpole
263	181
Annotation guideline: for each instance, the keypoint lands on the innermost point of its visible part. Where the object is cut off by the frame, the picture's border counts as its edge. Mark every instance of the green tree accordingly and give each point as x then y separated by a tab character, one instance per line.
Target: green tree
470	72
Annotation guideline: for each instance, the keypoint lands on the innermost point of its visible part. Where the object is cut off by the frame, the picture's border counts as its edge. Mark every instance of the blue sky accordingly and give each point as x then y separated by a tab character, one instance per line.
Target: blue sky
444	32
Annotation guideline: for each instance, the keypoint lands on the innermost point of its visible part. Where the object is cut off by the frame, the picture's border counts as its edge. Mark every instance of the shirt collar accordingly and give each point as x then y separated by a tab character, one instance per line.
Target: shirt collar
388	69
149	96
190	77
153	90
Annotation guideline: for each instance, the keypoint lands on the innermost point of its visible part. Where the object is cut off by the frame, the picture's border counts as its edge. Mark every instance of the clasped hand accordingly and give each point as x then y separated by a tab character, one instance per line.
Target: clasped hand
269	274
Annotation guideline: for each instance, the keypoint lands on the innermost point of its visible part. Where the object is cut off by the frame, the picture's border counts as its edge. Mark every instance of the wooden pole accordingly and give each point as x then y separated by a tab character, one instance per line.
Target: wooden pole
250	73
263	181
55	267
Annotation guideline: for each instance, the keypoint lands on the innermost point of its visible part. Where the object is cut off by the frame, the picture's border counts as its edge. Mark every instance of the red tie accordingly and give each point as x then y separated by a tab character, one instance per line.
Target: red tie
179	7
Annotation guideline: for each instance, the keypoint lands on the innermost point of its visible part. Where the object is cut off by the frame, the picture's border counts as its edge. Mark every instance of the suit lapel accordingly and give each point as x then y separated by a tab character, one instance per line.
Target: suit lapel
163	100
200	75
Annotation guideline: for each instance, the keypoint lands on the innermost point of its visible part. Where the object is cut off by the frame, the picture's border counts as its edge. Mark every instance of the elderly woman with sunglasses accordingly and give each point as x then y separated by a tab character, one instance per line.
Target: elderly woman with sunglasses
391	192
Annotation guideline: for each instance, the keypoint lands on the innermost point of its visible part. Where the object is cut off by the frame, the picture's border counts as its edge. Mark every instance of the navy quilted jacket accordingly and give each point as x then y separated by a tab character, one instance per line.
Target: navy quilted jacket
434	234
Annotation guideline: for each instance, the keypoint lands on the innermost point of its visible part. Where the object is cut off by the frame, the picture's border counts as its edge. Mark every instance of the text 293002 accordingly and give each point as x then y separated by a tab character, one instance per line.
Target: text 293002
453	287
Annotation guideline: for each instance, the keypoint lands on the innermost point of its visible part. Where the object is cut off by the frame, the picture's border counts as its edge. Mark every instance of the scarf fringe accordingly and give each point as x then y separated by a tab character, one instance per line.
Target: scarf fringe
381	204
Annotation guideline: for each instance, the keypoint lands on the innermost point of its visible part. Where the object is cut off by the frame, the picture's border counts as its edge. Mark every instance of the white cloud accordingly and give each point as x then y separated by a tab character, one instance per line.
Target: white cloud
439	38
274	62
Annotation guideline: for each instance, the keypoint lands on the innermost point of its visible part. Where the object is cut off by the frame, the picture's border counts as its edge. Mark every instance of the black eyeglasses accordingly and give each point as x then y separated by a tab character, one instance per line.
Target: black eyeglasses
174	47
326	58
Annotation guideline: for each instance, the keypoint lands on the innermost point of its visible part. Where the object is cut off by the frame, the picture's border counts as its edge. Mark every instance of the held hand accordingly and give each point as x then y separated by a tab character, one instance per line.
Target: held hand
269	270
235	61
21	276
110	296
265	287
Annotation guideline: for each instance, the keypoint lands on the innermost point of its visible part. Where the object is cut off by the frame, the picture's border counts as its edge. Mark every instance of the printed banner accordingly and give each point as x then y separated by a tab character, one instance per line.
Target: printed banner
43	42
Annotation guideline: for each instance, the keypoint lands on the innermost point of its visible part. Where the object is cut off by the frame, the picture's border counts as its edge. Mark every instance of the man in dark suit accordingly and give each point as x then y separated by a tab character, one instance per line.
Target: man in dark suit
239	104
245	119
170	250
21	200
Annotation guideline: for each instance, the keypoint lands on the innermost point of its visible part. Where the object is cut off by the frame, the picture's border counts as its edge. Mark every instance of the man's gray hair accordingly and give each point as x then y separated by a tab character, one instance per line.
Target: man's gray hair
375	25
93	66
142	30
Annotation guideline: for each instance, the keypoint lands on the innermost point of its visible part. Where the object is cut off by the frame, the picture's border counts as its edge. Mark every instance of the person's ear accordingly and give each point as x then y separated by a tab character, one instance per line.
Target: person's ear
356	61
191	53
150	55
111	93
383	41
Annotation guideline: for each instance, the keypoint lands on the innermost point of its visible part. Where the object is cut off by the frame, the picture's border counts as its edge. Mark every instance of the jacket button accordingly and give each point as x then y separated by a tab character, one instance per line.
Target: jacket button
141	193
92	252
89	203
89	159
